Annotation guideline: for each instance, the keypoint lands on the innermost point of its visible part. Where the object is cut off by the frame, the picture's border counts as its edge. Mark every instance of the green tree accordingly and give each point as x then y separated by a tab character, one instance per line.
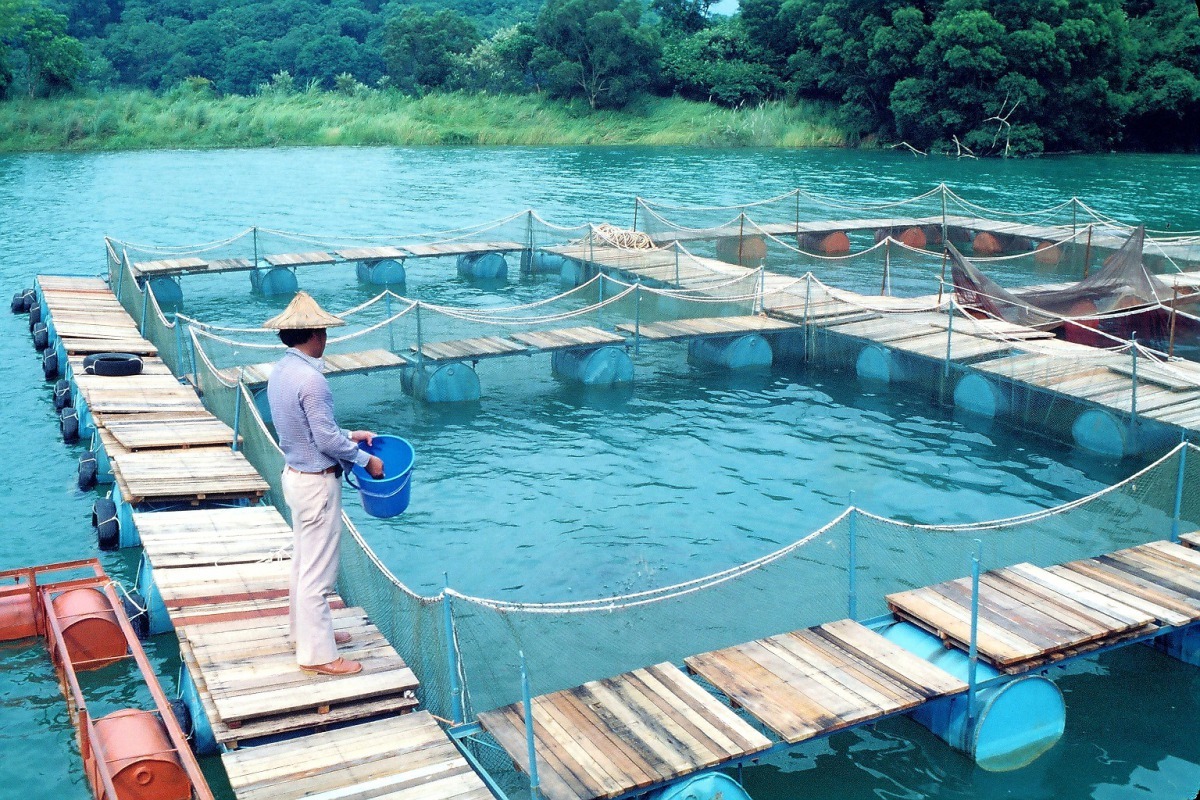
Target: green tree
719	64
1164	104
35	38
681	17
596	49
422	51
501	63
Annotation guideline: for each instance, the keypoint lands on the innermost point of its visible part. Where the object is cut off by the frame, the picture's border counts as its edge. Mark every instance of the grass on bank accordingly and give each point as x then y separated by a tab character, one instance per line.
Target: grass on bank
138	120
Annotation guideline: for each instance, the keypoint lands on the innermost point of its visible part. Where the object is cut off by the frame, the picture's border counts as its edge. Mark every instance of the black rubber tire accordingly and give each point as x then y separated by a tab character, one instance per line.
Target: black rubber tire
139	619
29	299
62	394
35	316
18	303
114	365
104	520
50	364
183	716
41	337
68	425
88	470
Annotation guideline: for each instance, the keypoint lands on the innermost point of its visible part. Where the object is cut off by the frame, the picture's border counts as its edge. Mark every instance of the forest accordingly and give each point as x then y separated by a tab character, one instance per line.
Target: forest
980	77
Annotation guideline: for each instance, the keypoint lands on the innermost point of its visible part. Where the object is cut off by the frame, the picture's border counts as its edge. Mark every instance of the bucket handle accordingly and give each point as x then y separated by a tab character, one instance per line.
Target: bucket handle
399	489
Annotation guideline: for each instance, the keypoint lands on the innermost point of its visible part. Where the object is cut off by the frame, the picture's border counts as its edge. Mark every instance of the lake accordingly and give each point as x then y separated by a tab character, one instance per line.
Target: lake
539	475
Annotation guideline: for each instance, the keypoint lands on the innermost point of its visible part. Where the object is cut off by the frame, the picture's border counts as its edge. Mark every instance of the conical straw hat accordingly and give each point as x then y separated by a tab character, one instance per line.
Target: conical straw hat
303	312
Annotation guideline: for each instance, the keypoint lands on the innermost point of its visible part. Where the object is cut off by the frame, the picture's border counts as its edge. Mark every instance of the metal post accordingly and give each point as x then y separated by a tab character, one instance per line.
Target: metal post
192	352
807	297
853	603
145	304
1179	489
1174	309
637	201
1133	414
387	306
256	247
178	344
797	191
1074	208
945	231
420	356
237	409
1087	253
973	651
949	335
527	702
762	289
676	243
637	317
456	705
887	265
741	233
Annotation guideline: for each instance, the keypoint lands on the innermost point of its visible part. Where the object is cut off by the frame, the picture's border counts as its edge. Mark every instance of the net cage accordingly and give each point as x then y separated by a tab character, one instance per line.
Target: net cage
467	650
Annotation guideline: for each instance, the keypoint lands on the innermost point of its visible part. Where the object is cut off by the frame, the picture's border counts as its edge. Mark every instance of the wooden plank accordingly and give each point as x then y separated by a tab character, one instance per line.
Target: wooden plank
894	661
706	328
405	757
195	473
468	349
1061	588
951	621
567	338
299	259
460	248
78	345
1191	539
213	536
370	253
1169	608
168	265
192	431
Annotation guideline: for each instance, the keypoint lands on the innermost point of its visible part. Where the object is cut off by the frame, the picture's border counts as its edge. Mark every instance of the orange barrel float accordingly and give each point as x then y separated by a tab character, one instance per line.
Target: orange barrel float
93	636
986	244
746	251
829	244
1047	253
913	237
18	614
140	757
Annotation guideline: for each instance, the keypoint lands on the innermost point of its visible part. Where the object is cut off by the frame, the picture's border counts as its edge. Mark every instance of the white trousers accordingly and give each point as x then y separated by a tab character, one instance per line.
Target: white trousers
316	505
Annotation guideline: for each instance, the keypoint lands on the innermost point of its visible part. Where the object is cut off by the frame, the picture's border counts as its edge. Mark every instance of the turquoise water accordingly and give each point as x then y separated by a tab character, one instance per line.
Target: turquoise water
576	494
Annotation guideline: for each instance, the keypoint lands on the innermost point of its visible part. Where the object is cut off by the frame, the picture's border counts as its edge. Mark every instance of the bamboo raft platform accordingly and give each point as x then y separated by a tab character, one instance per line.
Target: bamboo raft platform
648	727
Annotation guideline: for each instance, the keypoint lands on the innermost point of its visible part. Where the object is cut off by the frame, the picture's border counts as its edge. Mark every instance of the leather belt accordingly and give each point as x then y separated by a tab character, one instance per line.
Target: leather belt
332	470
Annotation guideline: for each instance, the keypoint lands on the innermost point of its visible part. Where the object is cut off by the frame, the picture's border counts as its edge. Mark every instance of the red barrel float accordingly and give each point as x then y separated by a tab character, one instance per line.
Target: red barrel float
829	244
986	244
140	757
912	237
1047	253
93	636
18	615
747	251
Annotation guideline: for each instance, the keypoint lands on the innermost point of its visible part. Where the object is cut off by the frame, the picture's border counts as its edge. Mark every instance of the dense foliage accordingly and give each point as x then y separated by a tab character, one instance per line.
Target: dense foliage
965	76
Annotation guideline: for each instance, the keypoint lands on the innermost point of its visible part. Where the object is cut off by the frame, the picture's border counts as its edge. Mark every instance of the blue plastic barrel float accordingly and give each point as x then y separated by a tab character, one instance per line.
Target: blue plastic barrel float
705	786
387	496
1014	721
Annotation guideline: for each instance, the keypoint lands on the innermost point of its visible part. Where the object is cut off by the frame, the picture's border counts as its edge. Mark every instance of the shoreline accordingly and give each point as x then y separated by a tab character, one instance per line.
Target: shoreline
142	120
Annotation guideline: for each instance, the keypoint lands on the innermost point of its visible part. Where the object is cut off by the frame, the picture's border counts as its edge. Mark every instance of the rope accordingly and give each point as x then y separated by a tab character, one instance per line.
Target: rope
623	237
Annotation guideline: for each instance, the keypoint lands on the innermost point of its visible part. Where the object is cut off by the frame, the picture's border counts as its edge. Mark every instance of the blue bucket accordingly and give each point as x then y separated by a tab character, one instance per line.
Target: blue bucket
387	496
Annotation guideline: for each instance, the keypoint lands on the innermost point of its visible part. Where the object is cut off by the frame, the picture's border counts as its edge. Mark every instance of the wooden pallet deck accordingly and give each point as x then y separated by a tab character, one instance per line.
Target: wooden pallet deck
662	266
438	249
136	394
86	346
1191	539
400	758
71	283
169	266
709	327
134	432
567	338
609	737
213	536
251	677
1027	616
199	473
299	259
469	349
362	361
371	253
813	682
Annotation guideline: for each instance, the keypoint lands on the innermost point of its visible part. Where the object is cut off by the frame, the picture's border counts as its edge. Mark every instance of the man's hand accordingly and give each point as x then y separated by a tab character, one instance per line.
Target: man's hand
363	436
375	466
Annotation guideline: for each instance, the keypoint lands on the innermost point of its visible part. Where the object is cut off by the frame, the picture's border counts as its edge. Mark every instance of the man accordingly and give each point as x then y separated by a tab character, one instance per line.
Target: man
316	451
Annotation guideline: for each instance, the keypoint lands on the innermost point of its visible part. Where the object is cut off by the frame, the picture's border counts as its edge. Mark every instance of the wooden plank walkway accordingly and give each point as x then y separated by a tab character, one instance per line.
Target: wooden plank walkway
1191	539
567	338
679	330
609	737
1029	616
213	536
813	682
134	432
362	361
190	475
400	758
136	394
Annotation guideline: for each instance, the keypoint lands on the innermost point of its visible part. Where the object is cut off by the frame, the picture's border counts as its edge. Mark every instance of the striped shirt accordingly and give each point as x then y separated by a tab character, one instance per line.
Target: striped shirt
302	410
